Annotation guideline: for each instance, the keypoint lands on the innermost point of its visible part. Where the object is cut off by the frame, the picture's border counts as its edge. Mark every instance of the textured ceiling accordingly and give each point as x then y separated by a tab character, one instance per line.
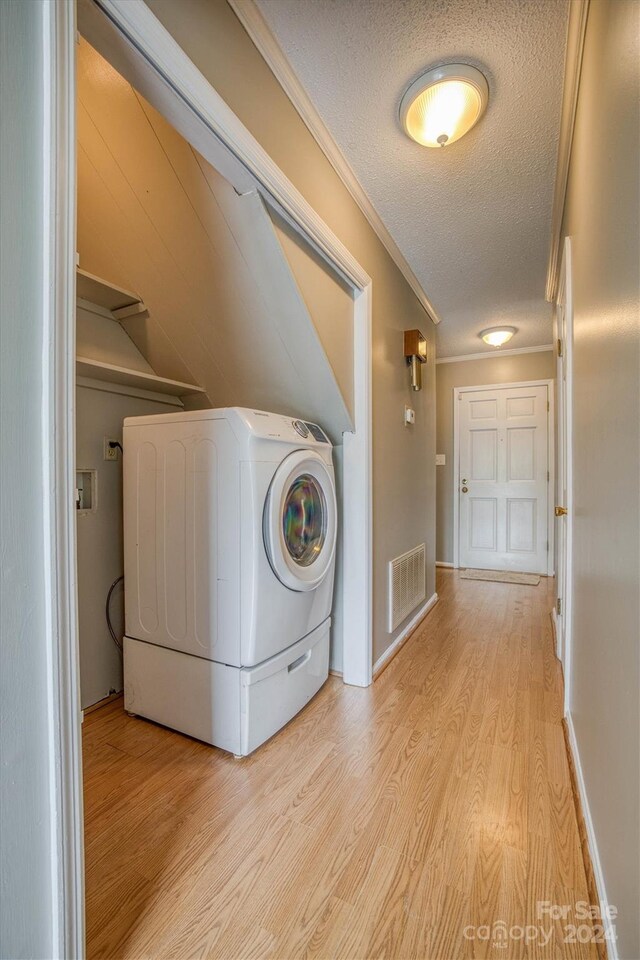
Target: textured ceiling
474	219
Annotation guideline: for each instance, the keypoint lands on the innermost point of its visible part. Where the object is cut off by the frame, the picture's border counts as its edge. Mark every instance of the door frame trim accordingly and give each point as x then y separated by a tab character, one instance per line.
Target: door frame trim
58	448
565	288
457	391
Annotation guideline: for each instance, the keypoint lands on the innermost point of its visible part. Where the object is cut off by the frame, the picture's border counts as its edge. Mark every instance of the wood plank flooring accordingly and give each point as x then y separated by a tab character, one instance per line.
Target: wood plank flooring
397	821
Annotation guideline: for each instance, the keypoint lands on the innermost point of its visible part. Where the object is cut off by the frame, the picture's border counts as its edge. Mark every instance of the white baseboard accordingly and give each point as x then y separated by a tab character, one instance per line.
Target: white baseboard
445	563
612	945
402	636
554	624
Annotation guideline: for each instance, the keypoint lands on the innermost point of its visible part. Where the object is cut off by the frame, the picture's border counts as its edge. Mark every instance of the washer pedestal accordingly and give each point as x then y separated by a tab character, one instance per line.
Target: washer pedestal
235	708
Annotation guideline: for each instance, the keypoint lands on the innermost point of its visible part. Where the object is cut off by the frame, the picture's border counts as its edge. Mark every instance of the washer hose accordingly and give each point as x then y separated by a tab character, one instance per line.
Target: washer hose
118	642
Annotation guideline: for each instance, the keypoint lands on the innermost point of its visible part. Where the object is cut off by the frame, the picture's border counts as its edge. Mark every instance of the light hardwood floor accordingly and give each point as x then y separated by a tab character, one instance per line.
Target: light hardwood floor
379	823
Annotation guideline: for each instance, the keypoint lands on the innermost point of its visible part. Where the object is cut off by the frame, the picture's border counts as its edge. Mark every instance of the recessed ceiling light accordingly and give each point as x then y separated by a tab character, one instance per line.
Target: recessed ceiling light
497	336
444	104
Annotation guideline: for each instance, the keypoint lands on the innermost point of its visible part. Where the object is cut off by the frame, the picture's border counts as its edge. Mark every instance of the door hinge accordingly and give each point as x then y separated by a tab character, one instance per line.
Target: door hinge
559	607
548	476
559	345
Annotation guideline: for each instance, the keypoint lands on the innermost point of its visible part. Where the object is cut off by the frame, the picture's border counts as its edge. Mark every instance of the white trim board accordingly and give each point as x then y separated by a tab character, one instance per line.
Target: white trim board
113	373
504	386
58	446
612	945
576	30
554	624
262	37
103	386
445	563
549	384
404	634
496	353
564	427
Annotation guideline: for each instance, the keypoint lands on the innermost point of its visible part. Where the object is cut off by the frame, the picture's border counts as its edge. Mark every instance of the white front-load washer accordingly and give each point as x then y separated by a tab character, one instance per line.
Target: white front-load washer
230	525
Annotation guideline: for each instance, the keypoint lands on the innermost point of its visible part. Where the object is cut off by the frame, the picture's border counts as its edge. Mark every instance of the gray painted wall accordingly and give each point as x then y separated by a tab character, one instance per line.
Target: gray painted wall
100	414
403	459
26	909
601	217
470	373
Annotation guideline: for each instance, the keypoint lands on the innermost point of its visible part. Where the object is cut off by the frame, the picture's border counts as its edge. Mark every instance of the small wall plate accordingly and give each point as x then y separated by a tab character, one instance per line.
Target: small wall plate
86	492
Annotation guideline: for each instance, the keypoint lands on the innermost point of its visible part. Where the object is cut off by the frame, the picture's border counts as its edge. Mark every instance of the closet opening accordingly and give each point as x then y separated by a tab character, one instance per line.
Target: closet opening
194	297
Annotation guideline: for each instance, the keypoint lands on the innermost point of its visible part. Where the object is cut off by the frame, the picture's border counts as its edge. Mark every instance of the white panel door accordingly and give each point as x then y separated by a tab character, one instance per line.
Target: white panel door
503	488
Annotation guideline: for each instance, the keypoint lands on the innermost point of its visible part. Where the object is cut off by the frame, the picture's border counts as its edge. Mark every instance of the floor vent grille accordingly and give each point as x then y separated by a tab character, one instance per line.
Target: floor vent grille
407	586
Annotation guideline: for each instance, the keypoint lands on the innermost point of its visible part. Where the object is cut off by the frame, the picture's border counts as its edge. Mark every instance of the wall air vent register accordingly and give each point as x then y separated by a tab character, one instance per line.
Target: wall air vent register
407	587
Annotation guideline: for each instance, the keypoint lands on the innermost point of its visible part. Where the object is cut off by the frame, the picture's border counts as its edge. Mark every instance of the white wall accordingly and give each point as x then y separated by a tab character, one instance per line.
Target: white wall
224	308
329	302
26	907
336	648
99	338
601	217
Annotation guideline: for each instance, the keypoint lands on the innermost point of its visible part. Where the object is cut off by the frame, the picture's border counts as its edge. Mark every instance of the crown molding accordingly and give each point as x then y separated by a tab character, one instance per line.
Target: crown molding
576	29
497	352
263	39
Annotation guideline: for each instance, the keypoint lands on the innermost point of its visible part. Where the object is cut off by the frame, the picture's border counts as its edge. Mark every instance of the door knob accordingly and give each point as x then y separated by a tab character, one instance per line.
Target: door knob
561	511
465	489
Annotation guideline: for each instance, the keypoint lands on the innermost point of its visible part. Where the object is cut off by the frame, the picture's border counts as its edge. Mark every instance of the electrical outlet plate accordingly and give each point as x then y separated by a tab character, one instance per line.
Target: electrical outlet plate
110	453
86	492
409	416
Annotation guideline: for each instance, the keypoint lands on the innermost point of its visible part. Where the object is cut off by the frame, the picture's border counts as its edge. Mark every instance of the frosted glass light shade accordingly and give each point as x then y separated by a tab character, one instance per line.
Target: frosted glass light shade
497	336
444	104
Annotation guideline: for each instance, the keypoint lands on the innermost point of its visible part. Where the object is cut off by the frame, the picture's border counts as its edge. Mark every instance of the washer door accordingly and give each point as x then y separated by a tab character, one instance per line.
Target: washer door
299	521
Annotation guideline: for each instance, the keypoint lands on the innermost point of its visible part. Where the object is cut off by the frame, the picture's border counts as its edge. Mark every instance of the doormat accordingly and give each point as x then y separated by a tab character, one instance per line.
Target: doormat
502	576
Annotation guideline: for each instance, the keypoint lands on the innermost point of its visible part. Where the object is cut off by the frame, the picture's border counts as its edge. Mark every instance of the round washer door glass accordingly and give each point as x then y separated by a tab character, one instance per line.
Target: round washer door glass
304	520
300	520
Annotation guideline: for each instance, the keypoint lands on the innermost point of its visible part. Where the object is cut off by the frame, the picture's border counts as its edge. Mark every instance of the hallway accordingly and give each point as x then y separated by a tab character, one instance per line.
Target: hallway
389	821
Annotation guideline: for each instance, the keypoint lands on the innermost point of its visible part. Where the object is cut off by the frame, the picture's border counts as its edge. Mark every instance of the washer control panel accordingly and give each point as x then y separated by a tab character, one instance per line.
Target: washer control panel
275	426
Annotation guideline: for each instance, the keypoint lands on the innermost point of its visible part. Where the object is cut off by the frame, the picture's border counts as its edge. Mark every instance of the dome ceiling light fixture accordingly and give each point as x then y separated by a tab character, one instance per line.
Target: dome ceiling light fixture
443	104
497	336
